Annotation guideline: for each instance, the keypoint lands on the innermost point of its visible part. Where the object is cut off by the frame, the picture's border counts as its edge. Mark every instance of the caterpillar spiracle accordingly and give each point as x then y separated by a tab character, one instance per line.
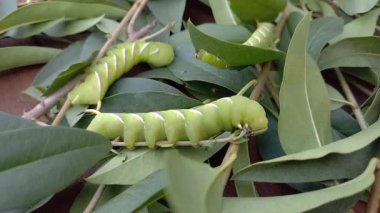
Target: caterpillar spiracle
196	124
263	37
117	62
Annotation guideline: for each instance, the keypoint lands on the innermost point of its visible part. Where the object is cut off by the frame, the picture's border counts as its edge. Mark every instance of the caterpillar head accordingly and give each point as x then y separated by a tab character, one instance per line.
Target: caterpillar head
159	54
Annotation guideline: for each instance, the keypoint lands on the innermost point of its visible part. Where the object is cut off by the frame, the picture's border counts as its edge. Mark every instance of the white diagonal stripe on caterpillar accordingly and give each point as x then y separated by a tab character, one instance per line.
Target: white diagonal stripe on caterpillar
158	115
250	43
154	52
144	47
212	105
265	28
228	99
138	117
117	117
257	38
124	55
107	71
115	62
99	82
196	111
133	51
262	33
179	113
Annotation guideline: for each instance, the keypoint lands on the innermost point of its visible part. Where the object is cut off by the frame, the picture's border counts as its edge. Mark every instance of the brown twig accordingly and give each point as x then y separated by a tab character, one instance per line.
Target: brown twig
143	31
351	98
61	113
140	5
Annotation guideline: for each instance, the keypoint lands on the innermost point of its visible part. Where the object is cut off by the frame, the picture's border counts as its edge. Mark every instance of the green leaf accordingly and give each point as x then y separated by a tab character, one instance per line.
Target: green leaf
322	30
117	3
160	73
352	7
147	102
352	52
373	112
71	27
344	122
314	164
336	98
259	10
129	167
222	12
303	86
87	192
32	29
243	188
232	53
307	201
28	157
137	196
47	11
360	27
187	68
205	196
108	26
25	55
139	85
11	122
168	11
7	6
68	64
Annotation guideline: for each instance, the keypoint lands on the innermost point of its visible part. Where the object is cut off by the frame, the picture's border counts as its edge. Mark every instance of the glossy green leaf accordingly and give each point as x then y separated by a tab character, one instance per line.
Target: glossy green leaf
320	6
71	27
47	11
118	3
108	26
65	66
360	27
168	11
19	56
352	52
32	29
352	7
309	201
135	197
11	122
205	196
206	91
233	54
222	12
139	85
132	166
322	30
303	86
301	167
259	10
147	102
30	155
7	6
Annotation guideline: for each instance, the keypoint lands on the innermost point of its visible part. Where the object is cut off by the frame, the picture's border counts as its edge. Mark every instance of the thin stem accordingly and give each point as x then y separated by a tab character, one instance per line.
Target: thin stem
143	31
281	23
166	144
273	91
261	82
166	28
131	26
347	91
246	87
58	119
94	200
360	87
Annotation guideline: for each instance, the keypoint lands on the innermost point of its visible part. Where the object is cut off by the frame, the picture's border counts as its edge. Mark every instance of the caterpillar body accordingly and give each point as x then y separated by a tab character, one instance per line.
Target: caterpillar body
196	124
117	62
263	37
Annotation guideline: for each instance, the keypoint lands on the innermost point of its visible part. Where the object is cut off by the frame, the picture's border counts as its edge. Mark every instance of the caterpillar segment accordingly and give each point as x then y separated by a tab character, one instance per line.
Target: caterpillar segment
263	37
195	125
118	61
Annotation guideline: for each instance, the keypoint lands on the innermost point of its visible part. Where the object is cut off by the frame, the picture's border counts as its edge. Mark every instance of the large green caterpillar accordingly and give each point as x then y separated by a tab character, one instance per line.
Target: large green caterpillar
118	61
194	125
263	37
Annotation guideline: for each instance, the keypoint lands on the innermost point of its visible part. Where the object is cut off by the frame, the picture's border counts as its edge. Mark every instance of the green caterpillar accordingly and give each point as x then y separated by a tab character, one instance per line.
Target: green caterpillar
200	123
118	61
263	37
